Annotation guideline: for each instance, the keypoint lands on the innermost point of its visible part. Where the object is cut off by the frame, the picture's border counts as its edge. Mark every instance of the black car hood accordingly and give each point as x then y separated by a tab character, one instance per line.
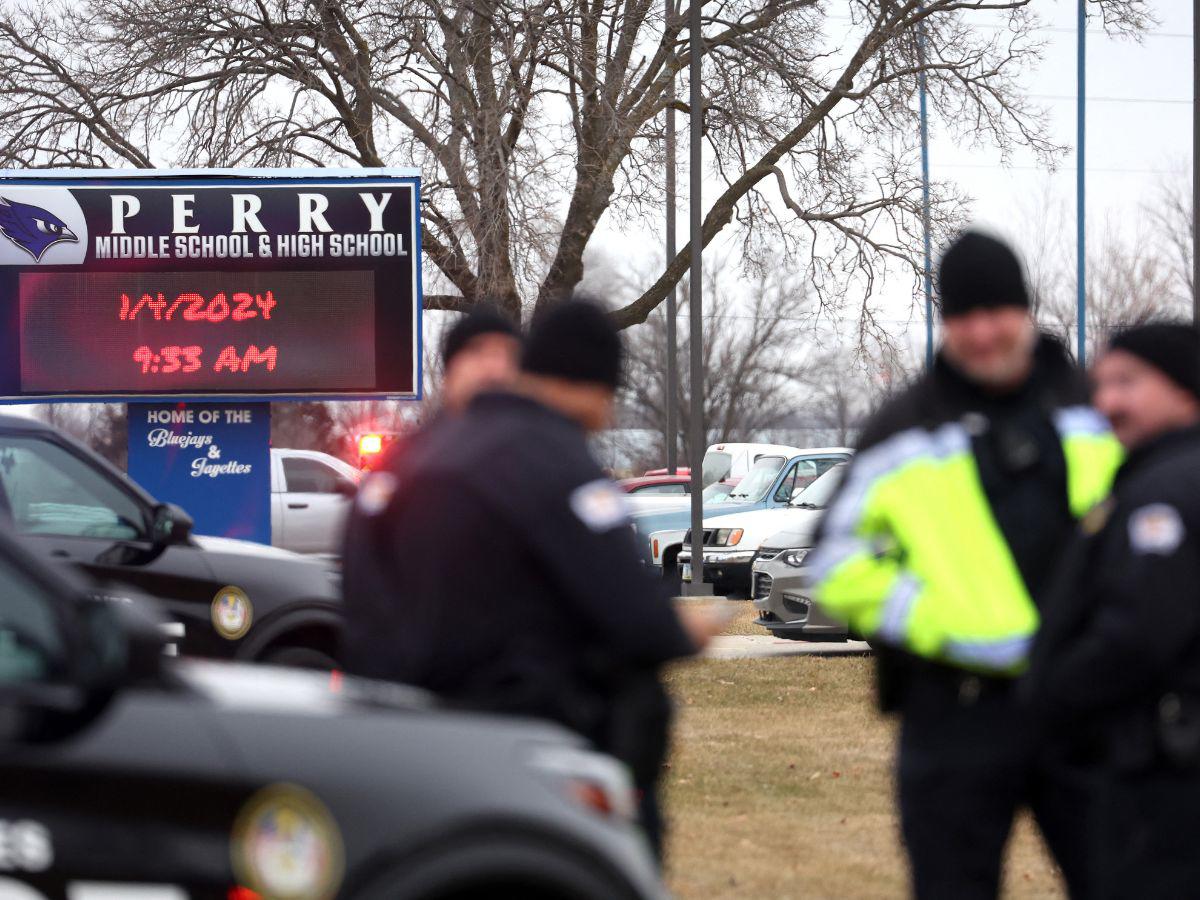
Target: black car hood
272	689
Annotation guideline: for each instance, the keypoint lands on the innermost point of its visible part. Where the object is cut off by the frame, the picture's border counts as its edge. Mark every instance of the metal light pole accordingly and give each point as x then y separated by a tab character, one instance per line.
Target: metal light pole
696	237
925	196
672	345
1081	183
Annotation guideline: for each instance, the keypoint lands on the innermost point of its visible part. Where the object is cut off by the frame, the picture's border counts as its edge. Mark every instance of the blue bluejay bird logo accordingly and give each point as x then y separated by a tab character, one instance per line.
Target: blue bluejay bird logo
33	229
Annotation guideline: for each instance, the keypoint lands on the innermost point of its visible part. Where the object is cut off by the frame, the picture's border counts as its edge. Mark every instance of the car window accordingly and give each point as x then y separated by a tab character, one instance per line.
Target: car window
31	647
818	494
758	480
310	476
49	490
716	466
715	493
799	476
661	489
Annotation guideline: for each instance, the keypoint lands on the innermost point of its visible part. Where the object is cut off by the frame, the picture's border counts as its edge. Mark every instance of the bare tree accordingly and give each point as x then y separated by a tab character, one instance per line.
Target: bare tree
753	359
101	426
843	385
1129	281
534	120
1172	216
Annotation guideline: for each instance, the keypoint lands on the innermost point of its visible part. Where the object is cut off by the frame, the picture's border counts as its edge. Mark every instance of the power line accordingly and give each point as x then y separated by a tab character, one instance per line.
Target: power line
1090	99
1108	170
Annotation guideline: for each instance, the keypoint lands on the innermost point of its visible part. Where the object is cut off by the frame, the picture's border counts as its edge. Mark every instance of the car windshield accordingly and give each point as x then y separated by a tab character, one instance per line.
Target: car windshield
715	493
716	466
758	480
818	494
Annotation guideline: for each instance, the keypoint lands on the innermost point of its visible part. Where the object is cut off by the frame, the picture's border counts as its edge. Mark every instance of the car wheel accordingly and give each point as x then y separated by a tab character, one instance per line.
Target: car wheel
300	658
504	867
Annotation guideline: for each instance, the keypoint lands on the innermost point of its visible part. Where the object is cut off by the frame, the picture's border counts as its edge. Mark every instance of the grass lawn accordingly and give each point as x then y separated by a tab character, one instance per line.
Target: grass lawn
780	785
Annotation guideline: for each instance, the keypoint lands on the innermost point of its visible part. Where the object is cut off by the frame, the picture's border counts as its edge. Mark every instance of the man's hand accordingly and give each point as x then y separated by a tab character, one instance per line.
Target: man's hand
703	622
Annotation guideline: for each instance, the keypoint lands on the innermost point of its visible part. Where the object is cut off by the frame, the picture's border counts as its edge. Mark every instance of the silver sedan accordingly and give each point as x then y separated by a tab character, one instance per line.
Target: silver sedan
780	586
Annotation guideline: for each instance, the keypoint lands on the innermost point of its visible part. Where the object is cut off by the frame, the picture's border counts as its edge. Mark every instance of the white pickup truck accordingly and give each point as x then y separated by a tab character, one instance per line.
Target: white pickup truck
311	493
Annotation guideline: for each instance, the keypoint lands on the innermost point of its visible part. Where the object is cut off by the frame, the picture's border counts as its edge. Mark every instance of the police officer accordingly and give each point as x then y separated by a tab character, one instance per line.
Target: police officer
506	576
480	352
1118	663
939	546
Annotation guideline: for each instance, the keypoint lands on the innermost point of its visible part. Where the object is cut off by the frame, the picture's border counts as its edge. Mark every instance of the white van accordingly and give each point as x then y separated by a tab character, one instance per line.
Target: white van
725	462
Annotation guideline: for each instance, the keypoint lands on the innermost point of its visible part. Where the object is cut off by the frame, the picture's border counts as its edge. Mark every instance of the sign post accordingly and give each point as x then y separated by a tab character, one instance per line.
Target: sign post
199	295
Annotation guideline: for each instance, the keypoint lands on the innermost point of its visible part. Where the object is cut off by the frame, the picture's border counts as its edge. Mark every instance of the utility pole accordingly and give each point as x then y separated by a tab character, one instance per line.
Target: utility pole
1080	191
671	389
696	236
925	194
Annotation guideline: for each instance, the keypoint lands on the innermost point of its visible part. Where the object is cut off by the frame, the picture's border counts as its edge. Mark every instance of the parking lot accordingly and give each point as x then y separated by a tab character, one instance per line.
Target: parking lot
780	784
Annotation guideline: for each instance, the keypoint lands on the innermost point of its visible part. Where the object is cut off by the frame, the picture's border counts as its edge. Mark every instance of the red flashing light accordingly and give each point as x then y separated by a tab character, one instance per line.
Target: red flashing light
243	893
370	444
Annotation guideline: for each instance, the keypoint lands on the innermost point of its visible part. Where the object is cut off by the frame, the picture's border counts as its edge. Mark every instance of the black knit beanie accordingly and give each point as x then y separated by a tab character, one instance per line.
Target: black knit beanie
1171	347
575	341
479	321
978	271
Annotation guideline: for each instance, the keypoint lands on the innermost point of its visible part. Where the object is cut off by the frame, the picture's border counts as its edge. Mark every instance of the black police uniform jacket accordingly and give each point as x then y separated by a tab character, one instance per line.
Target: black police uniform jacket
1117	661
499	571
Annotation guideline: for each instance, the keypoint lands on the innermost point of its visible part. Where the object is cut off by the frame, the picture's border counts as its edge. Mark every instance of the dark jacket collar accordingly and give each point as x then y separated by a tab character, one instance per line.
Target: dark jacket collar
520	403
1165	445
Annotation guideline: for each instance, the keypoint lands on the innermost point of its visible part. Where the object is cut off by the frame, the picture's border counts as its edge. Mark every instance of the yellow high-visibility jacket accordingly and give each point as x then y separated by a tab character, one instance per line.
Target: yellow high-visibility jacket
910	552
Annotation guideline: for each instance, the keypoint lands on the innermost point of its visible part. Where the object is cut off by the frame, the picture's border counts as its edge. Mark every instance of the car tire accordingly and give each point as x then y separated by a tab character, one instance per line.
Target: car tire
300	658
500	867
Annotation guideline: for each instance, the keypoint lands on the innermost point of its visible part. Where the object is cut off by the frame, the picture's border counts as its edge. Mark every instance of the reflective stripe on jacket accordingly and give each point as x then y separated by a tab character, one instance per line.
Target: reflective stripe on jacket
911	552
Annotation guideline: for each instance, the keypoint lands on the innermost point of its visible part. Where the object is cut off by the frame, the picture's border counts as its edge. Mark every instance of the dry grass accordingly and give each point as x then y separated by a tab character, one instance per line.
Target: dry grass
780	786
744	623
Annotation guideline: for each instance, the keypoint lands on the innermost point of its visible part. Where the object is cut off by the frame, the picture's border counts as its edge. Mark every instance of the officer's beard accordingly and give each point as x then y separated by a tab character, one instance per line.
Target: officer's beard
1004	369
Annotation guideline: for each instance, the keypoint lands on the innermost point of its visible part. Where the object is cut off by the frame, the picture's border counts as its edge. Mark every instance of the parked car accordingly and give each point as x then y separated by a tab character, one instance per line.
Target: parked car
770	483
781	582
671	485
311	494
732	541
224	597
130	775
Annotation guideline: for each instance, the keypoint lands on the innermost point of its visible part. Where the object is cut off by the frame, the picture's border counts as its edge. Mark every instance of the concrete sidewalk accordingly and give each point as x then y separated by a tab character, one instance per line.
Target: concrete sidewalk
756	646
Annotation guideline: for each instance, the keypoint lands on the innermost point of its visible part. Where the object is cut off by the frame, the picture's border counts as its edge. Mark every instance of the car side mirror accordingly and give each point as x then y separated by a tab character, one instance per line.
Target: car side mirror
121	642
172	525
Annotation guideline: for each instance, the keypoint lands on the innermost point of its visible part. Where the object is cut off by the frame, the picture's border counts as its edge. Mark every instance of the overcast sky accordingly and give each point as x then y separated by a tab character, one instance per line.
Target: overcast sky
1138	134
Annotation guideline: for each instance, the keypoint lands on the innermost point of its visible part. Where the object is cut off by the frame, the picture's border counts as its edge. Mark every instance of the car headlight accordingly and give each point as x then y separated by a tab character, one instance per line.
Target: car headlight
727	537
794	558
592	780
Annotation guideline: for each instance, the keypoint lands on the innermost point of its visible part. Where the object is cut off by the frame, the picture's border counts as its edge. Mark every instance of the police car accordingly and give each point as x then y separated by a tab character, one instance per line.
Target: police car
128	775
223	597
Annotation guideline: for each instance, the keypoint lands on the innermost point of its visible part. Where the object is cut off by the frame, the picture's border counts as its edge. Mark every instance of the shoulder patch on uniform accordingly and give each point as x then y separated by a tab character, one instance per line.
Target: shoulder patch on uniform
376	492
1156	528
599	504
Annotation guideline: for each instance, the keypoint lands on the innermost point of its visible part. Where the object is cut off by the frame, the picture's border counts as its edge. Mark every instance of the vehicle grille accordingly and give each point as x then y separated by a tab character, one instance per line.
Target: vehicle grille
762	586
708	535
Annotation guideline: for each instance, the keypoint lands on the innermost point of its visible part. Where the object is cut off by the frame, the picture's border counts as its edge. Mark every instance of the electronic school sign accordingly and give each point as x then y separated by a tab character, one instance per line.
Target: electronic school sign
209	284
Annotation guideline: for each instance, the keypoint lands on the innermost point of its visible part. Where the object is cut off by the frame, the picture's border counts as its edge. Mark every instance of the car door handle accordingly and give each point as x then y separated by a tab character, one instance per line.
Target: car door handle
60	554
297	506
